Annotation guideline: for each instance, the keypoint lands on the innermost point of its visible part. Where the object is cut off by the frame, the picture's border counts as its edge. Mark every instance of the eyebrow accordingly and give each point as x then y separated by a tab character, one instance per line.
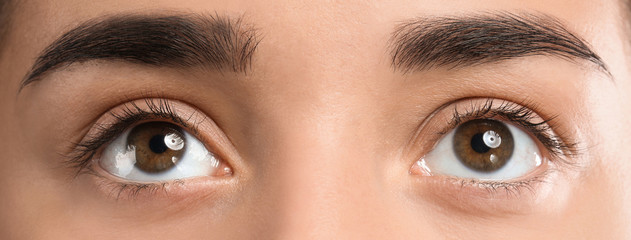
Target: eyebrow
425	43
216	41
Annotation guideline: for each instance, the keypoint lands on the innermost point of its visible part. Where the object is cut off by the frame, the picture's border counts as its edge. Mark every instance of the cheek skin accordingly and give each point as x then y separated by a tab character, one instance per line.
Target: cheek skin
604	186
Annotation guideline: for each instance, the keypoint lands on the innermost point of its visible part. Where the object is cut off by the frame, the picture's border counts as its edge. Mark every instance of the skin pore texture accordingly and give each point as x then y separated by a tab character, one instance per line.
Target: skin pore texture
319	112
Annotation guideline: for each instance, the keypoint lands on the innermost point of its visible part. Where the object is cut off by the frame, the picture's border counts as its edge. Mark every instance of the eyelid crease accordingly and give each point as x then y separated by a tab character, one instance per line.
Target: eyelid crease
131	113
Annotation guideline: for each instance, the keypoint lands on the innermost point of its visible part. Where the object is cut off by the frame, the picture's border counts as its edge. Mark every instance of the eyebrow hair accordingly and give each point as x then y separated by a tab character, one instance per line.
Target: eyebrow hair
216	41
426	43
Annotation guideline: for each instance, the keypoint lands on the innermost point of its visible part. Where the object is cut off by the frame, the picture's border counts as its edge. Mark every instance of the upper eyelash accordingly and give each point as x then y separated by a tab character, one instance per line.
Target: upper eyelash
158	109
524	117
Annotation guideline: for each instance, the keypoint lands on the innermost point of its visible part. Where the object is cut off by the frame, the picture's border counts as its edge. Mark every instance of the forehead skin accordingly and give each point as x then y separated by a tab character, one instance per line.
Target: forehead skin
310	121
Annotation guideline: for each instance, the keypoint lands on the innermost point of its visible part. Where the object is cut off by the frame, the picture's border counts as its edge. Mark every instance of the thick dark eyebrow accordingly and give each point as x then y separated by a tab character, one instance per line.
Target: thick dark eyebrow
215	41
426	43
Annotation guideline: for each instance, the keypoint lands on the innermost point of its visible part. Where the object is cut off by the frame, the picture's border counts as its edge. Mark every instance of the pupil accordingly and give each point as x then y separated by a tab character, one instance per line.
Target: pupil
156	144
478	144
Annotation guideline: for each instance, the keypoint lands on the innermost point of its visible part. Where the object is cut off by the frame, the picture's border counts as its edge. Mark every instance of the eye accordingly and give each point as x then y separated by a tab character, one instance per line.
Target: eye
159	151
483	149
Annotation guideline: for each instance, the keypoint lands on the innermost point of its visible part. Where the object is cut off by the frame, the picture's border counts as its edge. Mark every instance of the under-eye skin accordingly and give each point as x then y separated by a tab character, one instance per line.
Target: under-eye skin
146	145
494	145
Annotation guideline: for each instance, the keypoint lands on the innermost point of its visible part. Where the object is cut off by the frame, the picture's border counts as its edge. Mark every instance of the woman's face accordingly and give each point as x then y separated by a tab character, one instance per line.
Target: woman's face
484	119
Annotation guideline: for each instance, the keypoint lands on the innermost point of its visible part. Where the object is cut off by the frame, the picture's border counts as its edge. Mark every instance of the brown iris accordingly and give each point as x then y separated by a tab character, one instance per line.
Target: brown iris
158	145
483	145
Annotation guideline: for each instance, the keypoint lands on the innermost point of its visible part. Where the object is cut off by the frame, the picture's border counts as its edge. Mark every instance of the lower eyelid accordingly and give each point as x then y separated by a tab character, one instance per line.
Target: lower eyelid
497	189
179	189
485	198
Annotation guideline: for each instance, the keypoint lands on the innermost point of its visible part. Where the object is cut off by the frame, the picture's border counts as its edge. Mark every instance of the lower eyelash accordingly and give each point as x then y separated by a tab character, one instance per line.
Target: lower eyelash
131	190
509	188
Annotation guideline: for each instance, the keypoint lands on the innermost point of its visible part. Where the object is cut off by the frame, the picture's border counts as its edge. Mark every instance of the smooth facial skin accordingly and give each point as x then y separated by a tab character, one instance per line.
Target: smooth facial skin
323	121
